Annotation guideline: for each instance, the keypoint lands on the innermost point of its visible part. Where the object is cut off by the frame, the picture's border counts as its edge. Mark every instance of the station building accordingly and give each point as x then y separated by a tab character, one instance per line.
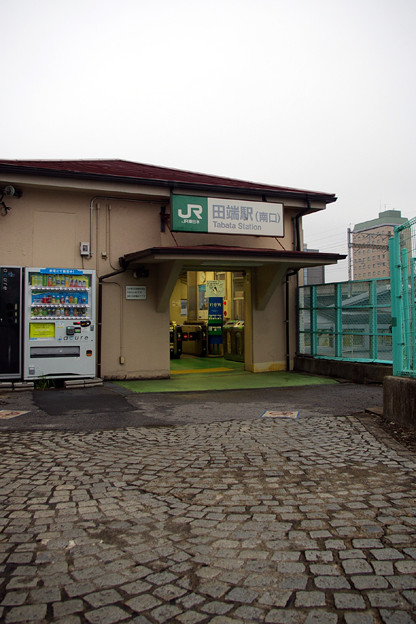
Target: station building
163	243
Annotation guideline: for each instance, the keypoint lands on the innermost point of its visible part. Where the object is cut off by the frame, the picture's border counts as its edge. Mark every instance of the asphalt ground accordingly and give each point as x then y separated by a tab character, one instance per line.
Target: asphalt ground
112	407
190	508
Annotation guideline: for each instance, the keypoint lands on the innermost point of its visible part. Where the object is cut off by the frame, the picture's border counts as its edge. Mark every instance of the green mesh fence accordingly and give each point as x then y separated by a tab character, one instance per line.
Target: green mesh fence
402	248
347	320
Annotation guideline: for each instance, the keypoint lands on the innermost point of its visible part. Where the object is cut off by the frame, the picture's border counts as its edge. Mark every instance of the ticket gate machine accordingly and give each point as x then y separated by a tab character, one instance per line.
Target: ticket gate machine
175	339
194	339
234	341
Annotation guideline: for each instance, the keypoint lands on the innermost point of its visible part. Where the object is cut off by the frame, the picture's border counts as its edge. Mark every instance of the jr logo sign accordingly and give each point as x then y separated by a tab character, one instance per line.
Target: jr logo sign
193	211
189	214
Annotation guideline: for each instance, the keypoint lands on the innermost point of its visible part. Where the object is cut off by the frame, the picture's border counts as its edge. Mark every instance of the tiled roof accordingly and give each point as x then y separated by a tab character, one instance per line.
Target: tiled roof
127	171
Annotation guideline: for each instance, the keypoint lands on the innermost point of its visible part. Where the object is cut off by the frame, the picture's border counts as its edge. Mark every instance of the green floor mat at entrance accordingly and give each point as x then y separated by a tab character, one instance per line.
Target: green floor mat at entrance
231	380
192	364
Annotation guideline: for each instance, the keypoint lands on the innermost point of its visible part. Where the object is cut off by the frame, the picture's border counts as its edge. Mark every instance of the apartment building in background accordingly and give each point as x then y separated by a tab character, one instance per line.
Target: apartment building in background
368	242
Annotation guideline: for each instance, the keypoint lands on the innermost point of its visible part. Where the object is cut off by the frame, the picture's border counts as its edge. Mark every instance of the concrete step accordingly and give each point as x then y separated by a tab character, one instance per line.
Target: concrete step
83	383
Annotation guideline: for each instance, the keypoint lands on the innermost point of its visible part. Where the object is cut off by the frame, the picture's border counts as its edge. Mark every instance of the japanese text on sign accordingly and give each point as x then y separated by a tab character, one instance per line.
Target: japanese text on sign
208	214
250	217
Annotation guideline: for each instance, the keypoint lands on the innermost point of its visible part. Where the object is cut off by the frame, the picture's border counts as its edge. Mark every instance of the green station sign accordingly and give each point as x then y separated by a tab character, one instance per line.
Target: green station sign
226	216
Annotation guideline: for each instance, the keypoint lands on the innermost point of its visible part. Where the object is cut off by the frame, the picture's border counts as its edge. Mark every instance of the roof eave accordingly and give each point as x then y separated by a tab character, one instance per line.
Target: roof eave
160	254
263	192
288	193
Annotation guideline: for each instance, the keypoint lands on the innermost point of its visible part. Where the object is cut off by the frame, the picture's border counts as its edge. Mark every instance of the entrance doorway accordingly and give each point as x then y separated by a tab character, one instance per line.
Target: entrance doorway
208	314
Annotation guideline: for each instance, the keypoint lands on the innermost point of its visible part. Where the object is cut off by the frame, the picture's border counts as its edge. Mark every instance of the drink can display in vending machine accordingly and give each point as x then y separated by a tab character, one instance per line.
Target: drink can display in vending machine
59	323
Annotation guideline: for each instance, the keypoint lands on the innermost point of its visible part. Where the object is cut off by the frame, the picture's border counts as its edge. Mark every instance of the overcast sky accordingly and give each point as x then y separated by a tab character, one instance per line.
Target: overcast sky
312	94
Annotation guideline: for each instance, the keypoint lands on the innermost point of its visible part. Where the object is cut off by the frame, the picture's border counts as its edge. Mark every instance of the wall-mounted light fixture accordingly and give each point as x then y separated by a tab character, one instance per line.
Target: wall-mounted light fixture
8	191
140	272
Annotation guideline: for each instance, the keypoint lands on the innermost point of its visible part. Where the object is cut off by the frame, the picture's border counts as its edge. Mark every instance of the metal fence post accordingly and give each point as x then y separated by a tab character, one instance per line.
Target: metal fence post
373	320
338	320
406	312
314	324
412	336
396	324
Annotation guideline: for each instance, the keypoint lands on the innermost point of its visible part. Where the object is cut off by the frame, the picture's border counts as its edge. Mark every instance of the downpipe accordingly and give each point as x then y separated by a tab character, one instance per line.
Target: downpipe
289	274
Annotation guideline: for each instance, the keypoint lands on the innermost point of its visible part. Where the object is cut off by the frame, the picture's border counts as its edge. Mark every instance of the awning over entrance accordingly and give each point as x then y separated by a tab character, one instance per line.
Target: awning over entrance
270	265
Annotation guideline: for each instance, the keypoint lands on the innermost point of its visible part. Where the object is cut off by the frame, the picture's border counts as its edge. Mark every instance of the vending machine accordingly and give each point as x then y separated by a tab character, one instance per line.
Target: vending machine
10	322
59	323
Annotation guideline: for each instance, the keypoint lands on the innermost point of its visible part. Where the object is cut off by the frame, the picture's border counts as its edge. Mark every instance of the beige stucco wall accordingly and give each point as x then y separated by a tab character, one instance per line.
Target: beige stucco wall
135	337
265	330
43	229
46	225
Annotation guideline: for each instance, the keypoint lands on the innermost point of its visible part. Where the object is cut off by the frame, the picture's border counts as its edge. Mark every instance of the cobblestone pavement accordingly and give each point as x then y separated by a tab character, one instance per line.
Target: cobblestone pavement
309	521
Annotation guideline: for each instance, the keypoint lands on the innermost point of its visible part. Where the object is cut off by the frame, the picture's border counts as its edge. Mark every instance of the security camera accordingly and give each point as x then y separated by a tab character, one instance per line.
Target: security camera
9	191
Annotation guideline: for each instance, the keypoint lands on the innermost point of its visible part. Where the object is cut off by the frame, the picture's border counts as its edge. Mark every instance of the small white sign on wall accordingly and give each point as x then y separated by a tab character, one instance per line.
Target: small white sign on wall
215	288
136	292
